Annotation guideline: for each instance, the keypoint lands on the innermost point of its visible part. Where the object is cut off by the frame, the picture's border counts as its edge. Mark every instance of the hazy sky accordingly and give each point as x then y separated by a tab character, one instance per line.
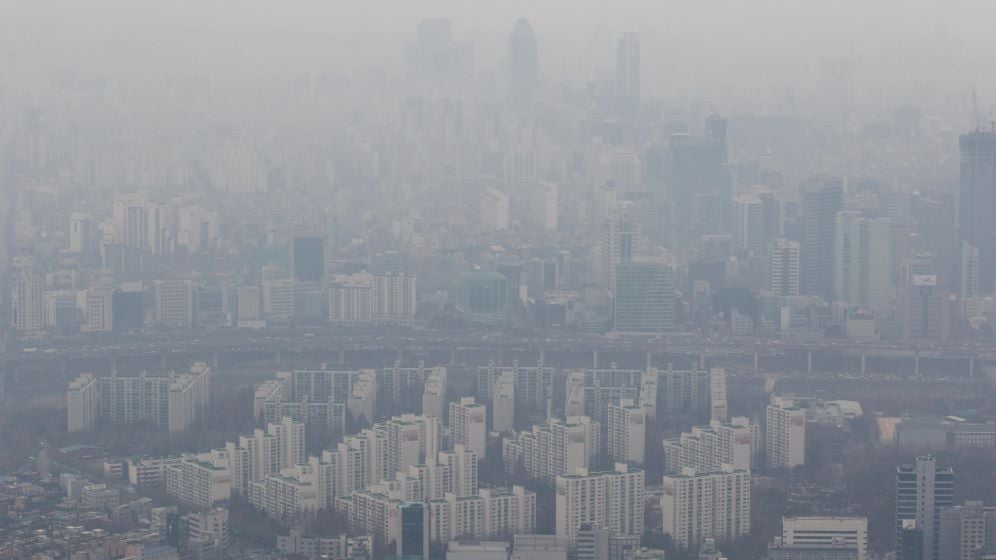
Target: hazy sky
901	48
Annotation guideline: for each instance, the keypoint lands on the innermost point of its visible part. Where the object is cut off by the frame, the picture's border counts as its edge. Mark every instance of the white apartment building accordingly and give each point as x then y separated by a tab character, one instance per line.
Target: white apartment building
490	514
555	449
173	402
434	393
200	480
611	499
494	209
363	397
784	434
83	400
701	505
468	425
627	435
708	448
503	404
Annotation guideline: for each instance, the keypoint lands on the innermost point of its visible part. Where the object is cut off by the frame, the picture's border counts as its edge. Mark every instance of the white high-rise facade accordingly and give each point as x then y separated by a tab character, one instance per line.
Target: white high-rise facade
784	434
468	425
699	505
557	448
503	404
627	432
612	499
708	448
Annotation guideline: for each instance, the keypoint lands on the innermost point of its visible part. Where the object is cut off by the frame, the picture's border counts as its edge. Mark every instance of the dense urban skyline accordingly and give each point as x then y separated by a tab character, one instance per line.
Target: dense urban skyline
497	281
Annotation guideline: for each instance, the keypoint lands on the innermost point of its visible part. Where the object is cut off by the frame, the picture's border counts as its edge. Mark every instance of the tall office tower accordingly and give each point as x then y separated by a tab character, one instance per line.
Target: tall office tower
783	267
619	242
748	224
98	309
613	499
174	303
968	271
27	309
628	74
627	433
700	505
863	260
645	297
827	531
822	199
934	214
968	532
81	234
977	203
134	223
922	491
393	299
925	309
785	434
468	425
308	258
484	297
494	210
523	65
248	305
697	167
414	538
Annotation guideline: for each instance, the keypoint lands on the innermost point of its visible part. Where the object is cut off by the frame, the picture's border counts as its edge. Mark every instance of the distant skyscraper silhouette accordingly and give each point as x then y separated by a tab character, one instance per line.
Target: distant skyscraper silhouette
523	68
822	198
977	202
628	74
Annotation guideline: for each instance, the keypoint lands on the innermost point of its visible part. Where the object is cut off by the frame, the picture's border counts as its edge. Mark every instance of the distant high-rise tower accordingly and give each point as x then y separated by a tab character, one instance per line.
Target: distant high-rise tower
748	224
922	490
309	258
620	242
863	260
645	300
977	202
628	74
698	175
783	267
523	66
822	199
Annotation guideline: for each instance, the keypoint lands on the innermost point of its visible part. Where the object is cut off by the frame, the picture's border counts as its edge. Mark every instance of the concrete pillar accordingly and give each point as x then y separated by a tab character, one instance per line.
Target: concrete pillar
809	361
757	361
863	356
594	358
650	359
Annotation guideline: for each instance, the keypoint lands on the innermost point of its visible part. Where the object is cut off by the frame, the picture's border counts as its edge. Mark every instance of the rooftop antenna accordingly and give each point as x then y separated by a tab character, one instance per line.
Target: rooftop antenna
975	111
